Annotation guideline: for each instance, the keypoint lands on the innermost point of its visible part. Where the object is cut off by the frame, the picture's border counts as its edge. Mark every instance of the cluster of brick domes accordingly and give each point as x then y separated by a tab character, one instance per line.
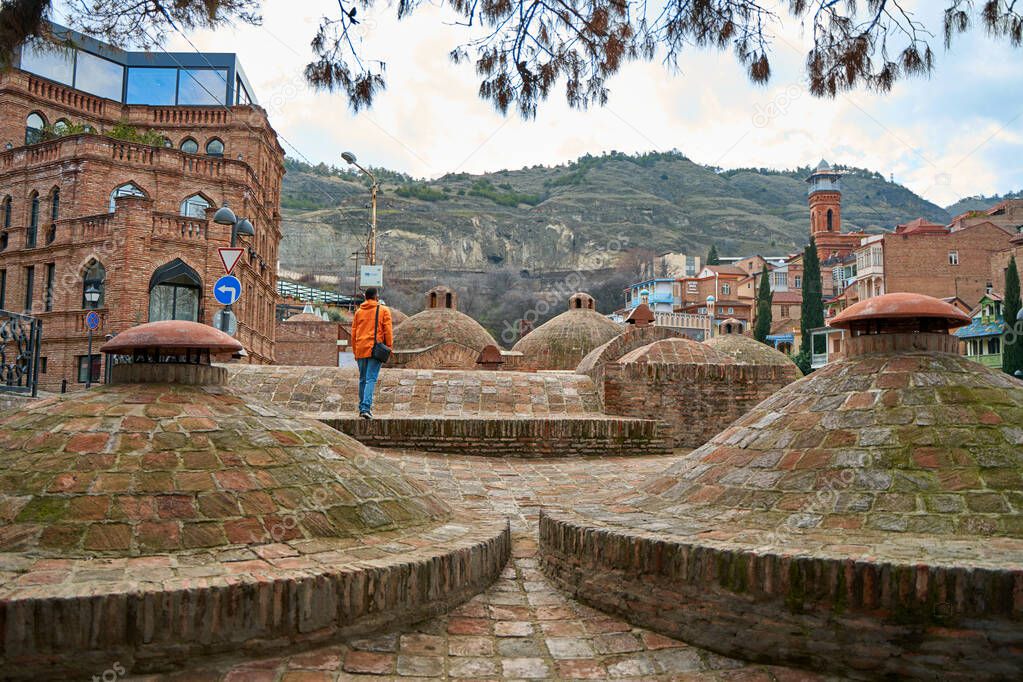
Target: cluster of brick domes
845	508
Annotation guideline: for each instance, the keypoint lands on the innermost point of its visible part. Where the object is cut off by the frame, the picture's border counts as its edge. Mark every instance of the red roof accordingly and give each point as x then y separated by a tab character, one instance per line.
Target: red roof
919	225
787	297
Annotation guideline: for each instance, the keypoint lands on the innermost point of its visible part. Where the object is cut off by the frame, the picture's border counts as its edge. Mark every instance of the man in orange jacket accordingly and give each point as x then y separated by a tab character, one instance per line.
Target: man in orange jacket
372	324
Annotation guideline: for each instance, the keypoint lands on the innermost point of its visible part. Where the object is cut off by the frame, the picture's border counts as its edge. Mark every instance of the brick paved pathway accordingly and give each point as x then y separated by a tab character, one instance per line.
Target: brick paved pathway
521	628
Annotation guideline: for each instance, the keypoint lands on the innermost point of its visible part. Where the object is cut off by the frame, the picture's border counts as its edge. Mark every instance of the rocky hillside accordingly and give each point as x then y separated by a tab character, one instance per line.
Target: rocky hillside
575	216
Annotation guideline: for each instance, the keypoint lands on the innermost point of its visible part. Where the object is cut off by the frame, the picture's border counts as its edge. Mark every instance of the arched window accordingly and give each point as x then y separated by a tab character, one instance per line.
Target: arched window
95	277
55	204
195	206
168	143
189	146
447	300
128	189
33	222
61	127
7	206
174	293
34	126
831	219
214	147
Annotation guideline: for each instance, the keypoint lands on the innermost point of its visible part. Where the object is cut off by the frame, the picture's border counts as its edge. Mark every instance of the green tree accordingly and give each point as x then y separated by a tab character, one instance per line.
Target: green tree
712	256
1012	353
764	300
811	315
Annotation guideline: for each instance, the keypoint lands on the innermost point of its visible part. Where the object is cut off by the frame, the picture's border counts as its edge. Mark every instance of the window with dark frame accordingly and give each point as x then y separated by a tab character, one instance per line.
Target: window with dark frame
30	275
97	367
51	269
33	223
3	289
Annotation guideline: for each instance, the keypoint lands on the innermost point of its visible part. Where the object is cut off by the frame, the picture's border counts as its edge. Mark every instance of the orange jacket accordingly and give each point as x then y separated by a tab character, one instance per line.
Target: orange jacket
362	329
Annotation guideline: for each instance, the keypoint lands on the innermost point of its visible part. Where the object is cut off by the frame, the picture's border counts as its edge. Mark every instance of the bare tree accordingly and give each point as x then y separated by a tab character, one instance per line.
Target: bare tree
529	46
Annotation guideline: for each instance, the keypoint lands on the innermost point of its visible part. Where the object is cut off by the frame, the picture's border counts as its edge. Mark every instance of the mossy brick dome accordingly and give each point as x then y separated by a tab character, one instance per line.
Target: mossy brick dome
160	468
747	351
676	351
564	340
437	325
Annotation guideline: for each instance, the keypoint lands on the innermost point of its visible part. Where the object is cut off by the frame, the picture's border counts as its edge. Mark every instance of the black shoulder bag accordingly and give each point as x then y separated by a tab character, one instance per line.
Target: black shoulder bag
381	353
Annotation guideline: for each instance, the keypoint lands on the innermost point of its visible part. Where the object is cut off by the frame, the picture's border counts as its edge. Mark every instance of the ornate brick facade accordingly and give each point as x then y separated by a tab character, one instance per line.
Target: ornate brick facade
143	233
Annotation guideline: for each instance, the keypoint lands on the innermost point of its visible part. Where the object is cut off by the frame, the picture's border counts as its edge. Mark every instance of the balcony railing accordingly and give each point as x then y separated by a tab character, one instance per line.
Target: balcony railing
170	226
129	154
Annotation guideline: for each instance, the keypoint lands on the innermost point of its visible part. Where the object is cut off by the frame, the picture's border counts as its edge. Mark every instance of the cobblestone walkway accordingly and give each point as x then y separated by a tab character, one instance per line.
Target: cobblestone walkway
520	628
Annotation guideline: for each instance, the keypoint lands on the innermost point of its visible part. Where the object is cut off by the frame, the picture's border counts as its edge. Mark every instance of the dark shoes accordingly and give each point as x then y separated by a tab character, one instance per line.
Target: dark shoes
366	415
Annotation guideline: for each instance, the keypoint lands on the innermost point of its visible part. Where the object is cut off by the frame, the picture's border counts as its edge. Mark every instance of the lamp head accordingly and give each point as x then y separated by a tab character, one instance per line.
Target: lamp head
91	294
224	216
244	228
348	156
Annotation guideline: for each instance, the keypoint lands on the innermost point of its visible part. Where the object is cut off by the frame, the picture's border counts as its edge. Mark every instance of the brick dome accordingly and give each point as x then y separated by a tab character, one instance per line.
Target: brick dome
677	351
437	325
397	317
904	442
749	351
305	317
128	470
563	341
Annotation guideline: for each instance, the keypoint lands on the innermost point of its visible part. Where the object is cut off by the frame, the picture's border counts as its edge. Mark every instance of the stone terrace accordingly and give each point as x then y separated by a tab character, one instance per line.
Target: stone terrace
500	414
406	392
520	628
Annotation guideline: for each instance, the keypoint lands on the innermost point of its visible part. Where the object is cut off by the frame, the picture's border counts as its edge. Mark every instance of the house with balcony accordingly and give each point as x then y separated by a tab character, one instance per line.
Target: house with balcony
661	293
981	340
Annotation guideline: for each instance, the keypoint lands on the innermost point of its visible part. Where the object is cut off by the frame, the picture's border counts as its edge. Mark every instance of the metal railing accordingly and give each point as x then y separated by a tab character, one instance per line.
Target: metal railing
20	338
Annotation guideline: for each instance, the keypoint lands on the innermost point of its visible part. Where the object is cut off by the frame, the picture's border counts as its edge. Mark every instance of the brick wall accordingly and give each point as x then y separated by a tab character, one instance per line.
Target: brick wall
308	343
142	234
919	263
694	402
865	619
591	436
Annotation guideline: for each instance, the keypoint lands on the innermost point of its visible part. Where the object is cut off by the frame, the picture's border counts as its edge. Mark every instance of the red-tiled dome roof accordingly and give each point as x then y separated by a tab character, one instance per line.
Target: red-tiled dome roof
172	335
901	306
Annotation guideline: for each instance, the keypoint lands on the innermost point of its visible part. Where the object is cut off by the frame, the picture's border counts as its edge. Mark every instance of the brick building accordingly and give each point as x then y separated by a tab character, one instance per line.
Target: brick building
936	260
113	165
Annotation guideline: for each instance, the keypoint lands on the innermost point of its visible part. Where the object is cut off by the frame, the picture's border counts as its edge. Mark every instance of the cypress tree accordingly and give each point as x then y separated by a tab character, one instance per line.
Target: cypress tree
764	300
1012	353
811	314
712	256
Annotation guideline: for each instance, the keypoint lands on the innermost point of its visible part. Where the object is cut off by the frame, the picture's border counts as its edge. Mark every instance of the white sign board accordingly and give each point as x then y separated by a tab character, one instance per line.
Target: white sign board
371	276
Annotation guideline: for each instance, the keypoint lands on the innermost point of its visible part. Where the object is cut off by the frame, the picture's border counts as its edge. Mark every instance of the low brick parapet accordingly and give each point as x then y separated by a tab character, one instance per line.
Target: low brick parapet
75	618
588	436
861	605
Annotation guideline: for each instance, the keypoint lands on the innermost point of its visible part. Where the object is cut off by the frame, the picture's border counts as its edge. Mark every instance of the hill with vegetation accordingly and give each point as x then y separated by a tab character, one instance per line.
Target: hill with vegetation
577	216
980	202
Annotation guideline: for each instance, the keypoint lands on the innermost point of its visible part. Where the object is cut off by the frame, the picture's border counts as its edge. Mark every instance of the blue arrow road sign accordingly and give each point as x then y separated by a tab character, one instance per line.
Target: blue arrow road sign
227	290
92	321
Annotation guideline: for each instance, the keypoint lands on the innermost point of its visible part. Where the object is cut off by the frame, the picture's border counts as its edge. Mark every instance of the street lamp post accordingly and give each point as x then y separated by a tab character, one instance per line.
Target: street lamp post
92	298
239	228
371	245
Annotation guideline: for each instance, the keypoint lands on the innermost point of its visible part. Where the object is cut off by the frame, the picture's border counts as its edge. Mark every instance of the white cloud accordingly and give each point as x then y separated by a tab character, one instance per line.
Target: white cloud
430	121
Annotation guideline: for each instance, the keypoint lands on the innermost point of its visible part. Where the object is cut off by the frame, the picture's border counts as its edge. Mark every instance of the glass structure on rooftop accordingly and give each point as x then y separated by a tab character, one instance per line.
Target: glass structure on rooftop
151	78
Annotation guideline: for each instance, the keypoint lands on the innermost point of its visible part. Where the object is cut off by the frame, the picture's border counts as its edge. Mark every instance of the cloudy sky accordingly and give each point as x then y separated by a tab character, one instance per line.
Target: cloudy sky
959	133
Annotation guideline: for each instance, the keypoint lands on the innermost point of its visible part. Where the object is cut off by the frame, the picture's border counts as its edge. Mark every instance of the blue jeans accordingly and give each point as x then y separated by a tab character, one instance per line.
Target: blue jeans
368	371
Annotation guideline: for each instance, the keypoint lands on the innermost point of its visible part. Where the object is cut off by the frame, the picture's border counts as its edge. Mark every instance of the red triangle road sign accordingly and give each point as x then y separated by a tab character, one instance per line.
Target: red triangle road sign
230	256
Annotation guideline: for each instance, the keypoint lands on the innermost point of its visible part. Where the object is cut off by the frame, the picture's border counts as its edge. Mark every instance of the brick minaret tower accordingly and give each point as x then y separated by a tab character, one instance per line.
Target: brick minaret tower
825	199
